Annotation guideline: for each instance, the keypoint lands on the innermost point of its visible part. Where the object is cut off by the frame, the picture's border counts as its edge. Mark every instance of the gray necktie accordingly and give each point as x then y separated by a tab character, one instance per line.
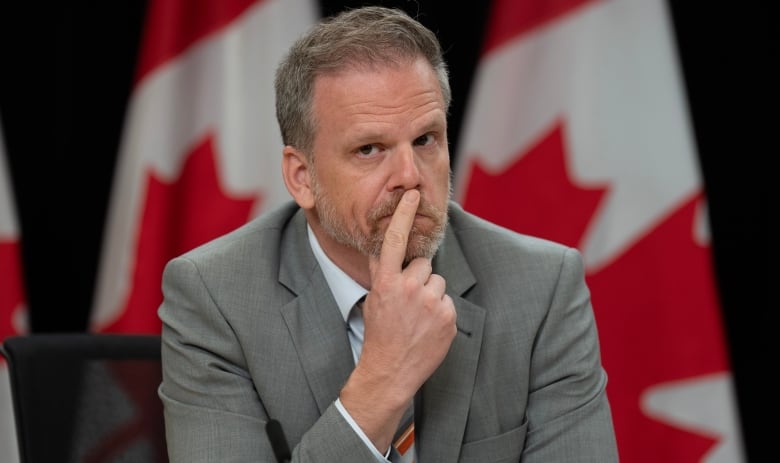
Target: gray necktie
355	328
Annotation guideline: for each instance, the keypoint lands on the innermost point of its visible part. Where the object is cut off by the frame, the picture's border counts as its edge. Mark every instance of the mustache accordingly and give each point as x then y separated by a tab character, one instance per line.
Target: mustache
388	207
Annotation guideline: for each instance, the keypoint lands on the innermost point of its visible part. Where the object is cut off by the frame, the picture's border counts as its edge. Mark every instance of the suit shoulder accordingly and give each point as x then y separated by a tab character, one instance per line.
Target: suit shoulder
265	228
471	228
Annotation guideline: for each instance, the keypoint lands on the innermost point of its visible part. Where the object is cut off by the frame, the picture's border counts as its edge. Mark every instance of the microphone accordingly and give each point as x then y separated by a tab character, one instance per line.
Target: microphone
278	442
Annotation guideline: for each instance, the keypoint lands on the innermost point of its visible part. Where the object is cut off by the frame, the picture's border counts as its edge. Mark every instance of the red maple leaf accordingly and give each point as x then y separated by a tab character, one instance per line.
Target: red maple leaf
654	304
177	217
11	287
658	318
544	202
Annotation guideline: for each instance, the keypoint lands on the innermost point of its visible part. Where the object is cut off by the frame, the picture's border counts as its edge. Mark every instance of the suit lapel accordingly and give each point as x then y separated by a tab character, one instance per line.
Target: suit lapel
445	398
312	318
442	405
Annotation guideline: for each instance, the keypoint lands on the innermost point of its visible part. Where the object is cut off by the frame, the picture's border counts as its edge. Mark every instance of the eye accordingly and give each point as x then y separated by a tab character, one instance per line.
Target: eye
367	150
423	140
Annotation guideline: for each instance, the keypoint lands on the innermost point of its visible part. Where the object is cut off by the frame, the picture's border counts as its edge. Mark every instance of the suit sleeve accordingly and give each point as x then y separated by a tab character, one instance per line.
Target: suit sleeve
568	412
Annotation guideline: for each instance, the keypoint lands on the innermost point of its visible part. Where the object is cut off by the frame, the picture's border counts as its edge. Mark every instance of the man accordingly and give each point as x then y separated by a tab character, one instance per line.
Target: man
374	305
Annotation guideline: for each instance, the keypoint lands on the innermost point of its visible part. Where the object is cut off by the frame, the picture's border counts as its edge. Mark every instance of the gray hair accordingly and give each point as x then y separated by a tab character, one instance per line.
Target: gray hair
357	38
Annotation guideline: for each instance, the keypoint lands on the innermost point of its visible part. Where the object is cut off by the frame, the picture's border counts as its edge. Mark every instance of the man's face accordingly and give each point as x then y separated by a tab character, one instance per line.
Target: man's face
379	133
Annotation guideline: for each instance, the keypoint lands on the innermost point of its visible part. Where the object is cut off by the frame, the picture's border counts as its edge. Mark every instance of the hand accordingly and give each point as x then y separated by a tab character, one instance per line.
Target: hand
409	327
409	320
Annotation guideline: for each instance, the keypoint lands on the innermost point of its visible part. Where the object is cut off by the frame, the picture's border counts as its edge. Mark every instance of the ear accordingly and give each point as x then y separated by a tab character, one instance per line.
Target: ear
296	173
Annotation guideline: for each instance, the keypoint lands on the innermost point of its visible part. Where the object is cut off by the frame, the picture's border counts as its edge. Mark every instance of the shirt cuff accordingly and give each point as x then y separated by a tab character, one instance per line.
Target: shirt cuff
361	434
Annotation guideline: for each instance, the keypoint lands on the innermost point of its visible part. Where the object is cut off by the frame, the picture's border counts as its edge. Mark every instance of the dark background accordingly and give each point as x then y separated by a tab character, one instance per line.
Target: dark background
66	76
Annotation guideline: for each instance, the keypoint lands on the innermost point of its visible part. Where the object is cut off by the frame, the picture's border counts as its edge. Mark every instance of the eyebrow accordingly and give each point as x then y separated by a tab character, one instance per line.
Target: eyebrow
370	135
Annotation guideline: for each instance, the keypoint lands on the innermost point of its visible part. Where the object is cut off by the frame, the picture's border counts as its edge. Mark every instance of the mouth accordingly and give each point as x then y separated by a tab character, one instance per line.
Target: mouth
385	214
417	216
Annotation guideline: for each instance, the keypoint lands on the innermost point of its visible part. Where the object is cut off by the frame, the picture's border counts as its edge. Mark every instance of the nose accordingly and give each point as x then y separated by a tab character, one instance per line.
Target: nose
405	172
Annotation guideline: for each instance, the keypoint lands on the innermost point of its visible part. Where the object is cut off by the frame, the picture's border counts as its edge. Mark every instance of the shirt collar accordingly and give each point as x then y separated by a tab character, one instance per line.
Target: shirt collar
346	291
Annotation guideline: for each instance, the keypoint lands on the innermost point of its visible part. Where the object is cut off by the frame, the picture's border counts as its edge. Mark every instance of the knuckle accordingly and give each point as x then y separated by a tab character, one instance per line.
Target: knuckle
453	314
450	315
410	285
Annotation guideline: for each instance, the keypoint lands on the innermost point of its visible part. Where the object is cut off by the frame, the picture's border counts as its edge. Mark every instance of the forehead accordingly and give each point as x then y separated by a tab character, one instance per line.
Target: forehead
391	92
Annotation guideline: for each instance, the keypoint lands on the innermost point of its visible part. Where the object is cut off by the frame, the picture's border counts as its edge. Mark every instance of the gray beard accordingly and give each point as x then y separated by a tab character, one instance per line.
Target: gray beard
350	235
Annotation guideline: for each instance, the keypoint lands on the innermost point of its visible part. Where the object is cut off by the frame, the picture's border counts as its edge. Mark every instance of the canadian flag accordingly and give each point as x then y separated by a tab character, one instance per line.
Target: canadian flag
201	150
13	309
577	130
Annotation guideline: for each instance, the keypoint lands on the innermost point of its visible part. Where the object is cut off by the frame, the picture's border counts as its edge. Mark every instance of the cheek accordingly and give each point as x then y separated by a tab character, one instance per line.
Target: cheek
351	197
439	181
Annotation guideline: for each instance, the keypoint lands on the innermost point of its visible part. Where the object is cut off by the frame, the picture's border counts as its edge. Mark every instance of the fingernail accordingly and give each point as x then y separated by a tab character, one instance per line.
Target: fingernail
411	196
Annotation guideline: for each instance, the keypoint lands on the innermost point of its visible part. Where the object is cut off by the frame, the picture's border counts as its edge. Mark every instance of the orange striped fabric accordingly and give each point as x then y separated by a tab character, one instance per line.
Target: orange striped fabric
405	442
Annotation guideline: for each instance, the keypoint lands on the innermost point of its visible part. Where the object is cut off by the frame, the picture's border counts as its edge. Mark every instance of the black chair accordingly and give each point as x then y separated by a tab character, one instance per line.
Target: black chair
82	397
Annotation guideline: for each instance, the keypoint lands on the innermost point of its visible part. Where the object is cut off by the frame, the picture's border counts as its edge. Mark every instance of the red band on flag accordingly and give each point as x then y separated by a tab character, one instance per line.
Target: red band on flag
174	25
509	18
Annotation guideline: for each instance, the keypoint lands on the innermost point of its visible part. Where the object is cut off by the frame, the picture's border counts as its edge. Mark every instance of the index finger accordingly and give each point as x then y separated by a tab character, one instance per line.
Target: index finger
393	252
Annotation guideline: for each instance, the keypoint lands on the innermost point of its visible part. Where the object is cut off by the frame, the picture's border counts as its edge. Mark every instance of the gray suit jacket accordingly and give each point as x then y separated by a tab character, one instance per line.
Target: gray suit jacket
251	331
